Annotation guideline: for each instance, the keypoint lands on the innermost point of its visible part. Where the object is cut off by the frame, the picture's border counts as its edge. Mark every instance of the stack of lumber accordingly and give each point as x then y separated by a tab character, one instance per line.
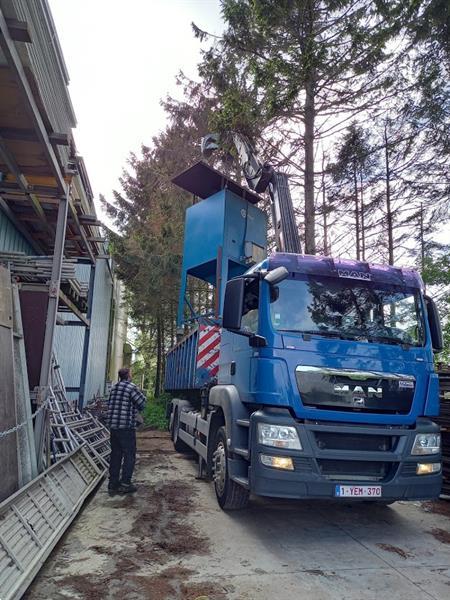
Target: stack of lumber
77	292
444	421
35	269
38	269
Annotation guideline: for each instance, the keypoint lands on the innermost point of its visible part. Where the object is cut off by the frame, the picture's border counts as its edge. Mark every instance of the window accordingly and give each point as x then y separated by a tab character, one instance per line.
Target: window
349	309
250	312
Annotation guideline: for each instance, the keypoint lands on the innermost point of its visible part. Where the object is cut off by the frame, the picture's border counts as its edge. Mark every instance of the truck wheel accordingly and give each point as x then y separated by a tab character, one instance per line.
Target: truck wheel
230	495
178	444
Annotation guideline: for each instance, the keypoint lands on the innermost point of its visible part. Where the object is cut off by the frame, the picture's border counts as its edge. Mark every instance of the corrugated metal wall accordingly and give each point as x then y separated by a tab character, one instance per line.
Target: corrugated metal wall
98	343
69	341
10	239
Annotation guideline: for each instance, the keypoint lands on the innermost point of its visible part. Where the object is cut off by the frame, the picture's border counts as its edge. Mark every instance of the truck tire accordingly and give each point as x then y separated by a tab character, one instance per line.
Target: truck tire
178	444
230	495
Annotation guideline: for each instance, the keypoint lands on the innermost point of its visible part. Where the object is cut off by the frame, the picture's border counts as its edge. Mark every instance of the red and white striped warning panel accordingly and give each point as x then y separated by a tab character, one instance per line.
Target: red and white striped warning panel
208	348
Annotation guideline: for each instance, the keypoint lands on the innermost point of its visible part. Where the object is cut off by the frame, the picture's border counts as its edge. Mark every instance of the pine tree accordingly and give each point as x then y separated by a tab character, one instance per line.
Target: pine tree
352	173
296	69
148	216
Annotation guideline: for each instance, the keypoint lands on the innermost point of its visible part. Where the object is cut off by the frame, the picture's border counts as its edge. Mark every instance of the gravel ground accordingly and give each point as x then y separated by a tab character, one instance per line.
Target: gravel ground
171	541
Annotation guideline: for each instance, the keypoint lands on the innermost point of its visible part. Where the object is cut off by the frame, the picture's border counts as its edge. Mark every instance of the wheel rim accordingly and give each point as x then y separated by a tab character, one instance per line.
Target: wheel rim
219	468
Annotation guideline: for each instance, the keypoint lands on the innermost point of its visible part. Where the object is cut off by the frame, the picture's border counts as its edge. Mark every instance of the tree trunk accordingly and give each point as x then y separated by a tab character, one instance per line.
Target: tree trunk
422	240
357	231
157	387
326	250
389	216
310	241
363	226
172	323
162	368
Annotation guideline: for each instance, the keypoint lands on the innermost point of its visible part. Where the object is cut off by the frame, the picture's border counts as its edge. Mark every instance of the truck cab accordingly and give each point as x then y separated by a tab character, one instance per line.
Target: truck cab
335	366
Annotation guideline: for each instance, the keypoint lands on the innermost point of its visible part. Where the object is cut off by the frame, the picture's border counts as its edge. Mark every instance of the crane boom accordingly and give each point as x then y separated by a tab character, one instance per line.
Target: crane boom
261	177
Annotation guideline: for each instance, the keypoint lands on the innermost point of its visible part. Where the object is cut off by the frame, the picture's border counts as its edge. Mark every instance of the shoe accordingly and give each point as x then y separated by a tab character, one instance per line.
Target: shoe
127	488
113	489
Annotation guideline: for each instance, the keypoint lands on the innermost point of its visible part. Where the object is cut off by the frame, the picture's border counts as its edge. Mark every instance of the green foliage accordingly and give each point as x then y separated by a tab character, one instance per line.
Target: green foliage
355	156
426	27
155	412
436	274
148	216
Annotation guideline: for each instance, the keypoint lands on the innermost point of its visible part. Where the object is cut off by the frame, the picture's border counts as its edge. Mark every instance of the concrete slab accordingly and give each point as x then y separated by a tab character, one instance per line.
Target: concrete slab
171	541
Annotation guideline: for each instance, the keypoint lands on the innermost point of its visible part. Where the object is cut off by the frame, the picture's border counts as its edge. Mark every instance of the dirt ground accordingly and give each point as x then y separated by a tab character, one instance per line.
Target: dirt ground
170	541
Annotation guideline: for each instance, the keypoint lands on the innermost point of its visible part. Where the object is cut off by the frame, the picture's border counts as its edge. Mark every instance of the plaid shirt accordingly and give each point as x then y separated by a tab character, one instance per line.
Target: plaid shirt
125	400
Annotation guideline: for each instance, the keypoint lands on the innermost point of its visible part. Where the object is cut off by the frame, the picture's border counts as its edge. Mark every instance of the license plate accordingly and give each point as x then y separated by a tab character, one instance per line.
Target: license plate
358	491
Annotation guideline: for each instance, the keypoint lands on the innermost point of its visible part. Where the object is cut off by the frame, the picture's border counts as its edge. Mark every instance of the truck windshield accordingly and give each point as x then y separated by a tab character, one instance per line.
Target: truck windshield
348	309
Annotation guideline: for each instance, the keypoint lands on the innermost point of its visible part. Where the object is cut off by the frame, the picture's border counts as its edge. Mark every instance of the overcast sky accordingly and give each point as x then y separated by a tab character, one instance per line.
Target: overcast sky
122	58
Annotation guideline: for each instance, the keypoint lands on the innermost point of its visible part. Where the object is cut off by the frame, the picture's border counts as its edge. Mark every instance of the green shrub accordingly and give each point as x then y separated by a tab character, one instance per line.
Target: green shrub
155	412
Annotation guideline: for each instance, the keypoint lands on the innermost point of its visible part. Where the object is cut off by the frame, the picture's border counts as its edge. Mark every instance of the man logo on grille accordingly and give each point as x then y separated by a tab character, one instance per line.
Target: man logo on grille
358	392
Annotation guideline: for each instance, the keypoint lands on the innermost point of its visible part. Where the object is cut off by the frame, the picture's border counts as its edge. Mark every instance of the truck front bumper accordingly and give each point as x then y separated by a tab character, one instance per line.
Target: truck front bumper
341	454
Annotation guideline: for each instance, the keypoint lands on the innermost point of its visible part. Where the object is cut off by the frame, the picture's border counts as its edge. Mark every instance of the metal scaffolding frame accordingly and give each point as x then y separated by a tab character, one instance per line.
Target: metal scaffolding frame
57	192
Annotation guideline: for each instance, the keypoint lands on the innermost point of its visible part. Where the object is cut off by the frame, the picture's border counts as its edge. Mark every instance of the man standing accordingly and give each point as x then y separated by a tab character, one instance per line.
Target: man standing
125	401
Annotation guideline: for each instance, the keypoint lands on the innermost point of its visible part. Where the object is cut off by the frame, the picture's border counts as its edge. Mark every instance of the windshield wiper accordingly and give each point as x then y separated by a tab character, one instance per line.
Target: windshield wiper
333	334
388	340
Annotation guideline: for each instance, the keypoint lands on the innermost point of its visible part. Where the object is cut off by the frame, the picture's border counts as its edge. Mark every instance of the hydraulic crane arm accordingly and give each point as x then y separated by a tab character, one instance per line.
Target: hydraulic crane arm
261	177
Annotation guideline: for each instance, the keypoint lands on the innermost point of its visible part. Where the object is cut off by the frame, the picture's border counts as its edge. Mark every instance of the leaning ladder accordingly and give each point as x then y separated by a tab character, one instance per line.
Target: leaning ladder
72	428
33	519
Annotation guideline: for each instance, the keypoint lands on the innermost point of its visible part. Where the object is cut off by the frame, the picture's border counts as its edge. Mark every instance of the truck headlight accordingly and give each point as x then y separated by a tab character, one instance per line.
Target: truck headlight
278	462
427	468
426	443
279	436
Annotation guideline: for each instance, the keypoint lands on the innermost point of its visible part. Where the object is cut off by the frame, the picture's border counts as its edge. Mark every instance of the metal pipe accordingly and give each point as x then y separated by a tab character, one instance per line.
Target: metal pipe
53	293
50	324
87	337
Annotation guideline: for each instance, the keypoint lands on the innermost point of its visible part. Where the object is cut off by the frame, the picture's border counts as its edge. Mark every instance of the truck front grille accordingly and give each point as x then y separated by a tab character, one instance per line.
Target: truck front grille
409	469
303	464
355	441
354	390
355	470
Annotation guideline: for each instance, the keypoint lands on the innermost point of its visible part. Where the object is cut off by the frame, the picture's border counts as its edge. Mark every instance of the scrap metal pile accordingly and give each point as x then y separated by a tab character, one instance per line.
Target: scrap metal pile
72	428
444	421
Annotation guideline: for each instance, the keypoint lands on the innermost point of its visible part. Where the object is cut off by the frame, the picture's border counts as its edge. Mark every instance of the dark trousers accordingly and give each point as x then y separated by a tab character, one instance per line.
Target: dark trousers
123	456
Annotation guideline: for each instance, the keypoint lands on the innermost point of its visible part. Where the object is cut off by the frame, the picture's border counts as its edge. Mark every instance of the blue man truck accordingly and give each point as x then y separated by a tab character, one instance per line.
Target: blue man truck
312	377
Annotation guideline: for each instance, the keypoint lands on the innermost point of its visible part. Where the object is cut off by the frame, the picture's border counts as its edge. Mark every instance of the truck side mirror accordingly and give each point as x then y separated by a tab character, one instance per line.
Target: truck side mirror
276	276
233	304
435	325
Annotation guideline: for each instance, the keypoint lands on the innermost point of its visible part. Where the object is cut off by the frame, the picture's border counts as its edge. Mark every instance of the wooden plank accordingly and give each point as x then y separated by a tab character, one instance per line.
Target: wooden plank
6	308
59	139
14	133
8	443
18	30
73	214
70	305
23	185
